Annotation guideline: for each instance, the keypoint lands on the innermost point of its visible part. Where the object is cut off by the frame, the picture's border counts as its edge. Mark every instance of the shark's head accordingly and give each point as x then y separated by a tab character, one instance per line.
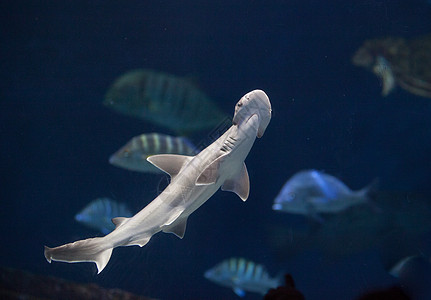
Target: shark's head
253	103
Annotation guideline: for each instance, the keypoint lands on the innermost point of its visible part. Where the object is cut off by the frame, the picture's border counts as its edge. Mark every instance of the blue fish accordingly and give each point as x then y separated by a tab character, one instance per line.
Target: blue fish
414	276
133	156
99	213
311	192
242	276
165	100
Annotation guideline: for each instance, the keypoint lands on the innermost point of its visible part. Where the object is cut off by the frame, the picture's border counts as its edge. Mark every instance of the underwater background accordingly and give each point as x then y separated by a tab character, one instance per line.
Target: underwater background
58	59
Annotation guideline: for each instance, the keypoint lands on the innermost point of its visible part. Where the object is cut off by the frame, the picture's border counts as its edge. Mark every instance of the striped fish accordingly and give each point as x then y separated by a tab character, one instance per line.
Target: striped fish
165	100
242	276
133	155
99	213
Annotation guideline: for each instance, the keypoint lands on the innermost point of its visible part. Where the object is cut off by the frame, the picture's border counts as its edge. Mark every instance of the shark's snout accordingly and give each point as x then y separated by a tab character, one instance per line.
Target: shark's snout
254	103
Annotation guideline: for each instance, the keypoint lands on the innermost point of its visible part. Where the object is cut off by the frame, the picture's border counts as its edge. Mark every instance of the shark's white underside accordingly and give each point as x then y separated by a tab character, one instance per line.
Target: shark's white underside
194	179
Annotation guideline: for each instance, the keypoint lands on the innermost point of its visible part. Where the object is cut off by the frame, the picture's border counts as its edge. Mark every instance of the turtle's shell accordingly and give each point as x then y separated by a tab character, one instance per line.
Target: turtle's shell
408	60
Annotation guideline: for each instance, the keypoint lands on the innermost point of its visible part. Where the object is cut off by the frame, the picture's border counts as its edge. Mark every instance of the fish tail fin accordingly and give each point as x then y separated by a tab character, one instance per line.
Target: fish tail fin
280	278
90	250
369	193
371	189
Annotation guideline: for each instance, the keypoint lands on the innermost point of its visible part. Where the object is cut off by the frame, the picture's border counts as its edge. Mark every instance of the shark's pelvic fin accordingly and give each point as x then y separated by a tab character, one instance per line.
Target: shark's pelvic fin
89	250
178	228
138	241
176	212
169	163
240	184
118	221
211	173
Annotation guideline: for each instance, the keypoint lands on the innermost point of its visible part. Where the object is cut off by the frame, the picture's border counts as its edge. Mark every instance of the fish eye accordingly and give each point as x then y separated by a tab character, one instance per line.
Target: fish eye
239	104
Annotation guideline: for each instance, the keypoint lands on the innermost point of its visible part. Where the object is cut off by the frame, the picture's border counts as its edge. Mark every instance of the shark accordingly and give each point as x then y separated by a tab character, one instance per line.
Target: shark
194	179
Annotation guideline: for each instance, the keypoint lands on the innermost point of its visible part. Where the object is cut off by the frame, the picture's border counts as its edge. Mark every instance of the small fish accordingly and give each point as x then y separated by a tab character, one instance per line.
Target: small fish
133	156
242	276
165	100
311	192
99	213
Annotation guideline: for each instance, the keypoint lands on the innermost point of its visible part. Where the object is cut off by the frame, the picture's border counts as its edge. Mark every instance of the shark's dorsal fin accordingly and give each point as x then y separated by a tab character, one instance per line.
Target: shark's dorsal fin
169	163
240	184
118	221
211	173
178	228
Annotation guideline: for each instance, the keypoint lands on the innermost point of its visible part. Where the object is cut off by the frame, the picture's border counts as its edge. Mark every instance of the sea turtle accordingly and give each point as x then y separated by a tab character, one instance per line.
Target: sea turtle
395	60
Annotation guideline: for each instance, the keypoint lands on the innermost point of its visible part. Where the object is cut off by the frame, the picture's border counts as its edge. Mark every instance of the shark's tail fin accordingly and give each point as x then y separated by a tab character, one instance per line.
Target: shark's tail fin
90	250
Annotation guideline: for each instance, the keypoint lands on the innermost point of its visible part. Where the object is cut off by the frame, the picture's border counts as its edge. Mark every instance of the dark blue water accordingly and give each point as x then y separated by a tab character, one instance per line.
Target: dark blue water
58	59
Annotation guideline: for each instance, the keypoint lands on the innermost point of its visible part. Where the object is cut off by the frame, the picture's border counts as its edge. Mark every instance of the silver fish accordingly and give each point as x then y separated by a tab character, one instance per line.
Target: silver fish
133	156
242	276
311	192
99	213
165	100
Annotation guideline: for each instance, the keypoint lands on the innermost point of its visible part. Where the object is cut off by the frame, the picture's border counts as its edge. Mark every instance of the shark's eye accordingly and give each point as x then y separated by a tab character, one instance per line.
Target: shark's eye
239	104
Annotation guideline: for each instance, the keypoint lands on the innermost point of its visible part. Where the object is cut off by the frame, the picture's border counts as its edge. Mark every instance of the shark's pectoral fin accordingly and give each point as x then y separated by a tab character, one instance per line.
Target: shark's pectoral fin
118	221
169	163
211	173
240	184
178	228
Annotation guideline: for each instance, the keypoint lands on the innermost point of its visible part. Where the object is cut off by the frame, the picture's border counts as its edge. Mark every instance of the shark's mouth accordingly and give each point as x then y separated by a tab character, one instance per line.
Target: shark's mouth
252	122
253	103
240	120
248	119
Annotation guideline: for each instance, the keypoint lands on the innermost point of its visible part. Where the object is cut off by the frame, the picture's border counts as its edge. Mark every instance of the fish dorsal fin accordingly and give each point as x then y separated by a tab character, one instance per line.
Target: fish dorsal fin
169	163
211	173
177	228
118	221
240	184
